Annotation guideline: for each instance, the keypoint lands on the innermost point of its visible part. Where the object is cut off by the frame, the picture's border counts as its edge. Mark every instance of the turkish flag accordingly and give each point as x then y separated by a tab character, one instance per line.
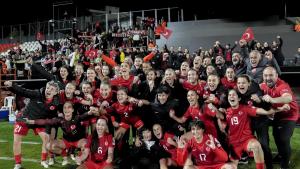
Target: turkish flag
248	35
159	29
167	33
92	53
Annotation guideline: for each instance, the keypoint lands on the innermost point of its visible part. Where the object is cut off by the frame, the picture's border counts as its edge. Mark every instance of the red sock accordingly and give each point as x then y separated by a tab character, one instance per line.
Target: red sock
44	156
18	158
64	153
260	165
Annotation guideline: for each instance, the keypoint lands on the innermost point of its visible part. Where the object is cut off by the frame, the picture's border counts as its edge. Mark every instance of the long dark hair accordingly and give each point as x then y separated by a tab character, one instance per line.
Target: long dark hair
95	139
94	145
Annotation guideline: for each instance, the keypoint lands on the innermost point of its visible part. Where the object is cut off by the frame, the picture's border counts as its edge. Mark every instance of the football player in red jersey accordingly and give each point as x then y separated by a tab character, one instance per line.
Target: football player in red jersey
192	82
124	108
101	147
202	151
195	113
239	133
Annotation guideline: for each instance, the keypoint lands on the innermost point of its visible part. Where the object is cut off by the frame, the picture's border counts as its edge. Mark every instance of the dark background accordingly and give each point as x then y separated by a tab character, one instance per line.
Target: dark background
19	12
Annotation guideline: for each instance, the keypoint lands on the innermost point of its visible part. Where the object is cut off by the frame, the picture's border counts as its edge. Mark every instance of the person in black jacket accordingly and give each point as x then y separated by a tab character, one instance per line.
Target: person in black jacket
147	152
277	50
43	104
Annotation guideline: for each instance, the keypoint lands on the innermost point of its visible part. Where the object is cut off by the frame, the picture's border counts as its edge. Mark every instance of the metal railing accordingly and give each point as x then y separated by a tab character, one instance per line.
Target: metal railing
53	29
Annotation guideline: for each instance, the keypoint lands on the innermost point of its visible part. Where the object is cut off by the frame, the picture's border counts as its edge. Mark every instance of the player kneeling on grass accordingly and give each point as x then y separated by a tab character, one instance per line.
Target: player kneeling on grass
73	132
43	104
240	135
101	147
203	151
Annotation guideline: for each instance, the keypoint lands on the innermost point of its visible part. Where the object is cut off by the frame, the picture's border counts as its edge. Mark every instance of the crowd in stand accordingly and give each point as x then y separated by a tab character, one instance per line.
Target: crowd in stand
207	109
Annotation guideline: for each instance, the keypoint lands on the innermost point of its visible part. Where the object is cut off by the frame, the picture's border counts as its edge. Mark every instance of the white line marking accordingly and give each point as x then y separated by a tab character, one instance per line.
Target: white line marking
30	142
23	159
28	160
23	142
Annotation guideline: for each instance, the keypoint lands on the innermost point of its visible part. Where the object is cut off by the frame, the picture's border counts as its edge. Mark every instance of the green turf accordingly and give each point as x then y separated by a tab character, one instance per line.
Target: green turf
33	151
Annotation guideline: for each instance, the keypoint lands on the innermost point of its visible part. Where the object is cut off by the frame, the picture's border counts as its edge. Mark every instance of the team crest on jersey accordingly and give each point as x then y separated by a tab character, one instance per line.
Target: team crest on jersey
52	107
73	127
240	112
106	143
130	108
250	103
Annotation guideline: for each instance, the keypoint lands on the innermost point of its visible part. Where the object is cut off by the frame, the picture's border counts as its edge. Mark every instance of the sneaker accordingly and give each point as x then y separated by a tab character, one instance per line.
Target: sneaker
51	161
65	161
73	157
44	164
243	160
276	159
17	166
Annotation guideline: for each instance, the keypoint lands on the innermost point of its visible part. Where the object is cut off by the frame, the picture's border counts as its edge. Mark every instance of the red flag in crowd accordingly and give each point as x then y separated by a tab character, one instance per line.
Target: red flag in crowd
248	35
109	60
167	33
92	53
40	36
163	30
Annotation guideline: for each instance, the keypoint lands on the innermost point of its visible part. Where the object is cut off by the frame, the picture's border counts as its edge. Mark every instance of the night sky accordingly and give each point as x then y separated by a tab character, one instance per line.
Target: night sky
34	10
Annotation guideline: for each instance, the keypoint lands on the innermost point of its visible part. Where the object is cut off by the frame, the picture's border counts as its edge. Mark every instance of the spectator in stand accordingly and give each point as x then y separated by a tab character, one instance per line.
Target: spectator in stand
220	66
256	64
244	49
238	64
276	49
182	74
278	93
297	56
228	53
197	64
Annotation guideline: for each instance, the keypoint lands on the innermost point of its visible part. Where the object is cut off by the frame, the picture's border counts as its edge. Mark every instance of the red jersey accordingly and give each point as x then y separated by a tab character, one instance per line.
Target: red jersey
121	82
239	123
125	111
206	117
168	147
203	155
198	88
63	98
97	98
280	88
104	143
228	84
